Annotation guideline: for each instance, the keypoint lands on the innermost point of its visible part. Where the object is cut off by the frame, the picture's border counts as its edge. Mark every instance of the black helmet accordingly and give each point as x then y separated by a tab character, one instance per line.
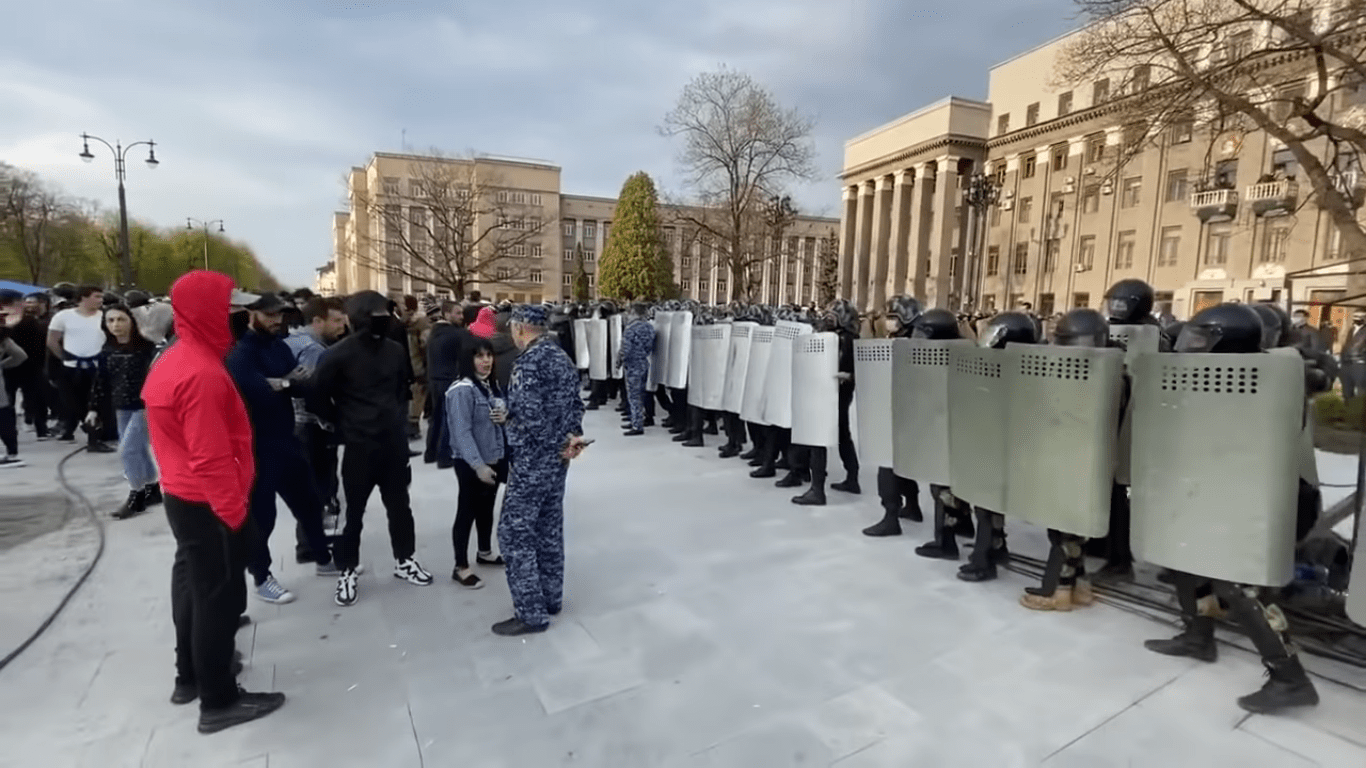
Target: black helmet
1223	328
111	298
1009	328
842	316
905	309
137	298
936	324
1273	315
64	291
1128	301
1082	328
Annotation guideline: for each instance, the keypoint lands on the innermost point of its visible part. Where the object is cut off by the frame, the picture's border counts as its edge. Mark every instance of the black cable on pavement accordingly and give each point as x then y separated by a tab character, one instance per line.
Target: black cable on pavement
78	498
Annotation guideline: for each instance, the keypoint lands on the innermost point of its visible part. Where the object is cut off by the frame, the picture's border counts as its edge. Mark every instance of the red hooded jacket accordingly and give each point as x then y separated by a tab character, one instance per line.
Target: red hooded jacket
198	424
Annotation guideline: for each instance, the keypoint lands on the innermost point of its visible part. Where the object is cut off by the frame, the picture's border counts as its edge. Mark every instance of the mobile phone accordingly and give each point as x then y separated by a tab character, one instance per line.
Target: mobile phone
586	441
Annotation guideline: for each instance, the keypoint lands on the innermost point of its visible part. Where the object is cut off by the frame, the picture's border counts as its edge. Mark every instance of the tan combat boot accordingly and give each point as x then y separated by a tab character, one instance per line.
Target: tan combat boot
1082	594
1060	600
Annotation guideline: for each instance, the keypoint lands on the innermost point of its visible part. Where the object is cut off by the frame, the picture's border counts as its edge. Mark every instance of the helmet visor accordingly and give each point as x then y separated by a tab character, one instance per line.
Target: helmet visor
992	337
1079	340
1120	307
1198	338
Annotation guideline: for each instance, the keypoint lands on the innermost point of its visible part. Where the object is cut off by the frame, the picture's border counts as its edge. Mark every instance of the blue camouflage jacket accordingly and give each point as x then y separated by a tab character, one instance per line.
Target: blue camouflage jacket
637	344
544	407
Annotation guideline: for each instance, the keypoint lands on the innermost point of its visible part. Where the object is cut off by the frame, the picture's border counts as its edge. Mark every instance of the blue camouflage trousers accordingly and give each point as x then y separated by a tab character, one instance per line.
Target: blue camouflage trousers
531	535
635	394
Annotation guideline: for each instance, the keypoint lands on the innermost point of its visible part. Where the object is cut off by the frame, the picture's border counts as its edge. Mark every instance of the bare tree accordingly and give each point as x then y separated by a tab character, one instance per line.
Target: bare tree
1219	69
452	222
35	218
740	150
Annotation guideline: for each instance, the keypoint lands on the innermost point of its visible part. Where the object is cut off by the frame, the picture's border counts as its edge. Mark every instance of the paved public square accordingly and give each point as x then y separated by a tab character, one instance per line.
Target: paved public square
707	622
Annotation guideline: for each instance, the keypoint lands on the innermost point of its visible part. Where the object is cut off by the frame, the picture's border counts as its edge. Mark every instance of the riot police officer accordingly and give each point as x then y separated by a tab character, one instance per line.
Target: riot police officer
952	516
843	319
900	496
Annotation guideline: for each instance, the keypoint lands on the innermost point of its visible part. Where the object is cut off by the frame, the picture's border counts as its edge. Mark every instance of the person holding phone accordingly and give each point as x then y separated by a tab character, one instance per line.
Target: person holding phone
475	414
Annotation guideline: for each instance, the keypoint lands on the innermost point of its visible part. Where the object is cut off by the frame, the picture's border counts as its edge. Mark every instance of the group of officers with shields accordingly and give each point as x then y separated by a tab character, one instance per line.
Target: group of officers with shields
1193	442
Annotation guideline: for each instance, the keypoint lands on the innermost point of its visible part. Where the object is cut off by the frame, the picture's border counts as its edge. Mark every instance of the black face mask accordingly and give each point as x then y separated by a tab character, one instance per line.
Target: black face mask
380	326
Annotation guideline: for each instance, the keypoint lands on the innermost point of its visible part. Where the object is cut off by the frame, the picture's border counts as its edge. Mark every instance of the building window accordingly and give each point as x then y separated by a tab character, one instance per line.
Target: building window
567	279
1226	174
1095	148
1217	245
502	196
535	276
995	215
504	274
391	186
998	172
1050	256
1003	123
1020	264
517	250
1081	300
1064	103
1177	188
1124	249
1086	252
687	261
1284	165
1060	157
1026	209
993	260
1028	165
569	254
702	286
590	231
569	228
1100	90
592	281
1090	199
1182	129
1032	114
1274	245
535	199
589	255
1045	305
536	251
1134	135
1129	194
1170	247
1141	75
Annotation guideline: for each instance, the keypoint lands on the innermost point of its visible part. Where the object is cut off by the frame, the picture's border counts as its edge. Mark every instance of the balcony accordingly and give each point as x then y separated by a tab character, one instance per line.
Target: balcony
1272	198
1352	185
1215	205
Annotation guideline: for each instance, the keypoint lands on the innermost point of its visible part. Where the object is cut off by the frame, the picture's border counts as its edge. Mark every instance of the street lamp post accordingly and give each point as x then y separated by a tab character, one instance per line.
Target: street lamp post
982	193
190	224
120	170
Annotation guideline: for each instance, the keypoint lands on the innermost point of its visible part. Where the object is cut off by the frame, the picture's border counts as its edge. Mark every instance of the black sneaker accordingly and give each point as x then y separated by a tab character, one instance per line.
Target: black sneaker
514	626
489	559
135	504
469	580
248	707
184	692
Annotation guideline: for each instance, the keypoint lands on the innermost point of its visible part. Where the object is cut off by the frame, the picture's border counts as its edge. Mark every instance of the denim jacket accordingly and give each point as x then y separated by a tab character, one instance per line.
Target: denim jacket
474	438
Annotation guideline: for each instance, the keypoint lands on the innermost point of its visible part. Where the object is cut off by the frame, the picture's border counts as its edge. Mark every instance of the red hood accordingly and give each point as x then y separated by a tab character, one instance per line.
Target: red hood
483	326
200	301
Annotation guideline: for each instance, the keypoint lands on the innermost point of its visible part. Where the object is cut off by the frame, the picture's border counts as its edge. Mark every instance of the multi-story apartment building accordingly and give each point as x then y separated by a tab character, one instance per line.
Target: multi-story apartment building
1083	201
546	227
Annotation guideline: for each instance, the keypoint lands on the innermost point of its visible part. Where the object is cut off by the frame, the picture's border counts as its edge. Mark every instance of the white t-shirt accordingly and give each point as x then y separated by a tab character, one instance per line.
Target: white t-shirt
81	336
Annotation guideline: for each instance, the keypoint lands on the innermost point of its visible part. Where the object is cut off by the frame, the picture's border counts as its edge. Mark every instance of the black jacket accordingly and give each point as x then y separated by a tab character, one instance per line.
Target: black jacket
445	347
505	354
31	336
123	371
363	382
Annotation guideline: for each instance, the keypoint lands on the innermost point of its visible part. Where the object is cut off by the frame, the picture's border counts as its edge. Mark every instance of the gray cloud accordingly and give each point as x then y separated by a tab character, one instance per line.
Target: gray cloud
260	107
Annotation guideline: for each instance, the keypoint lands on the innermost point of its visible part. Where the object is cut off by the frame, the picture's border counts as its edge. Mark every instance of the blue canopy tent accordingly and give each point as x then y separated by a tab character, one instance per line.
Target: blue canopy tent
24	288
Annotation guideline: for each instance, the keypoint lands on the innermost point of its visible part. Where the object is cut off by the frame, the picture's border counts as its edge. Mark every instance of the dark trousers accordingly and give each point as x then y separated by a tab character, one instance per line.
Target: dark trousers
1353	375
320	448
473	508
848	453
367	466
34	387
9	430
284	471
897	493
636	394
208	596
74	384
1247	611
436	422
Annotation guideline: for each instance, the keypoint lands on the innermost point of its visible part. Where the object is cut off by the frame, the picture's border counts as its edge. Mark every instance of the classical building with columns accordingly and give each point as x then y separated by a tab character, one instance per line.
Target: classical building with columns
1082	202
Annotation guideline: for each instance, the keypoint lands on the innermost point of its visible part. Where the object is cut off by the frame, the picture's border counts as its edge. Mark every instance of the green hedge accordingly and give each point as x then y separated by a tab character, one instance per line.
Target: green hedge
1331	410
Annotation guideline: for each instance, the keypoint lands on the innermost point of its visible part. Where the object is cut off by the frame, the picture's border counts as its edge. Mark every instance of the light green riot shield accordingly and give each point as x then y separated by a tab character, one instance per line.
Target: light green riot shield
581	344
1215	464
756	375
778	383
978	395
1063	424
815	390
697	363
714	351
1137	339
873	396
659	364
920	408
1356	587
737	366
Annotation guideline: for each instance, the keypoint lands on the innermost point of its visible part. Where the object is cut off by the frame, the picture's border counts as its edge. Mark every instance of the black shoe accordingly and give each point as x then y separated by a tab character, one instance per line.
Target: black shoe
495	560
728	451
763	472
413	454
151	494
711	429
848	486
248	707
633	432
99	448
667	423
782	463
1287	687
681	437
649	422
694	442
975	573
514	627
184	693
912	512
754	462
790	480
939	551
470	581
751	454
1196	641
133	505
887	526
814	497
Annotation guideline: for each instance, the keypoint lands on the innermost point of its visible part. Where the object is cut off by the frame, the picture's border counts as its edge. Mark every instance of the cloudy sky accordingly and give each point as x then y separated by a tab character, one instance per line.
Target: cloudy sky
258	108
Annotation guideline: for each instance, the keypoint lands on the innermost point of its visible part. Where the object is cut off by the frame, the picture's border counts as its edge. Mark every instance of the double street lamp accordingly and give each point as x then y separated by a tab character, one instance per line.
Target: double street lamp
120	152
190	224
982	193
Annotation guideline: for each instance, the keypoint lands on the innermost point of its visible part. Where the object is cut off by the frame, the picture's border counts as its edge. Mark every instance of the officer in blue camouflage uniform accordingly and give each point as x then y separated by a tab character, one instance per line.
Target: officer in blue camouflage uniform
544	432
637	344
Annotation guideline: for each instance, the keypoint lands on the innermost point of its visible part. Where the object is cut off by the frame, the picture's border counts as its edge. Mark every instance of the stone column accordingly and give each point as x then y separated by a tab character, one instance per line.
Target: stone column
867	208
783	257
918	242
902	191
882	223
799	288
848	239
941	229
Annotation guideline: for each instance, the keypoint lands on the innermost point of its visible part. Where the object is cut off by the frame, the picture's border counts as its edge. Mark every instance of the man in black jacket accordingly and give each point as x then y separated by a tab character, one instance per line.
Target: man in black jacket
1353	358
31	336
445	347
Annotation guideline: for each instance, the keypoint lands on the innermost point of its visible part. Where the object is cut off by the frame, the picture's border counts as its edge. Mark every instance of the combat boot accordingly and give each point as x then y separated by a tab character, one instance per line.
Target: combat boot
912	511
889	525
1195	641
1287	687
135	504
850	485
814	497
1082	594
1210	606
1060	600
792	479
945	548
728	451
694	442
751	454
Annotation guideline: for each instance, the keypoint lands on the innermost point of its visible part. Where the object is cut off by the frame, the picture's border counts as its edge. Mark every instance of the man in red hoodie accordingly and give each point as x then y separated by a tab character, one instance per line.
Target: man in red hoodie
202	441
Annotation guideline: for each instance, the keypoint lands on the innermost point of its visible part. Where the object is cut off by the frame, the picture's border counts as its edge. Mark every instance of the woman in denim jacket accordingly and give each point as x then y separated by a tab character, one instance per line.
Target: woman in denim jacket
475	412
117	389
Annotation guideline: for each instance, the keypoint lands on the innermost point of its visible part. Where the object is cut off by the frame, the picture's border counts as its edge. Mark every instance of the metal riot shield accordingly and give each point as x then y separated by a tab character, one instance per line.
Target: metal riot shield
680	346
1215	463
1356	587
614	331
978	396
1063	424
737	366
815	390
756	375
715	341
597	350
581	344
1137	339
873	398
697	363
778	386
920	408
659	361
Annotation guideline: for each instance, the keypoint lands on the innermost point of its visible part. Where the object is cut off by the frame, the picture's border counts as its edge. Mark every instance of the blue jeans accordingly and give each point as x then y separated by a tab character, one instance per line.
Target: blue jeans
135	449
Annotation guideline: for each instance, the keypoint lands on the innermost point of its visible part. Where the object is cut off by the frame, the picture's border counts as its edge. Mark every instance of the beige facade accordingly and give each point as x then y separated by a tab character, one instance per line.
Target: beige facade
325	282
563	222
1070	221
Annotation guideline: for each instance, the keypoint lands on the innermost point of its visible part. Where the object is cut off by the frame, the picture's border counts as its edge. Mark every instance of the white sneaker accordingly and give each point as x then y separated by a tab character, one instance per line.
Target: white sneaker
11	462
411	572
272	591
346	589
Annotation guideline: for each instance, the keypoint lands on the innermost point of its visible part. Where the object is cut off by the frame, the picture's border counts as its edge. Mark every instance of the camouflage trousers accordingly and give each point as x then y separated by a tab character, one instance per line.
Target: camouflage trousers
531	535
635	393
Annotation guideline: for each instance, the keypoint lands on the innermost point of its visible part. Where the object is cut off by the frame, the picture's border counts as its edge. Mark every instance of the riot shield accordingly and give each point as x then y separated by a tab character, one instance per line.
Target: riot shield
873	397
978	396
715	341
697	364
1215	464
756	376
1063	424
737	366
1137	339
659	362
614	331
815	390
920	408
581	344
1356	587
680	347
597	350
778	386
